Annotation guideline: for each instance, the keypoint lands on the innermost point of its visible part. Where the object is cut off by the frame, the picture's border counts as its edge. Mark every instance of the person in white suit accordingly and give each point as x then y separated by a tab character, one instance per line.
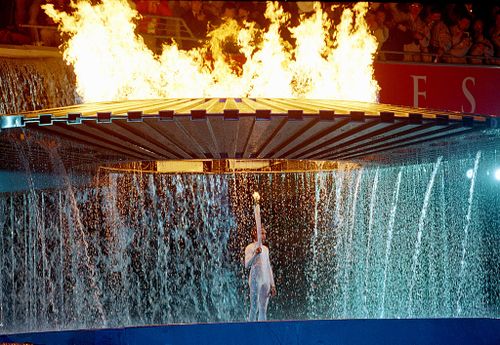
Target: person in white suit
261	279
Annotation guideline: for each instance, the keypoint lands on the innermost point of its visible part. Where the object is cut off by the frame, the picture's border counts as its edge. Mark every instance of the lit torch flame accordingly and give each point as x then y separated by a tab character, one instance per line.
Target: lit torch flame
256	197
111	61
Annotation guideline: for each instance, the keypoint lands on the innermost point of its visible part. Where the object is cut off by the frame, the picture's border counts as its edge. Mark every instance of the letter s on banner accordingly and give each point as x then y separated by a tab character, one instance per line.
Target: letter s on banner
468	95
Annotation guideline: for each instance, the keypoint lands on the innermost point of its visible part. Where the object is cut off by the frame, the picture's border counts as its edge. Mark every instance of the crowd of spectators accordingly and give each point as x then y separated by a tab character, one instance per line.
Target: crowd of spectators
19	19
451	33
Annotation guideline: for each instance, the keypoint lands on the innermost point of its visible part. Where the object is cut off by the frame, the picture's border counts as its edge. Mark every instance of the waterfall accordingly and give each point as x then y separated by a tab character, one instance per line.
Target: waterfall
349	246
2	264
368	242
389	242
137	248
77	228
319	185
466	232
43	83
421	223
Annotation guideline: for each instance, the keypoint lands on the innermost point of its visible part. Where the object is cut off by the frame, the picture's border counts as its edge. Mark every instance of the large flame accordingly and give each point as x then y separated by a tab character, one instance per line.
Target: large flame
112	62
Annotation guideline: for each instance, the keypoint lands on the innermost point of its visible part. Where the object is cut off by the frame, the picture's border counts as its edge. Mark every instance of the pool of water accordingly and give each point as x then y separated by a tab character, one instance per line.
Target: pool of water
346	332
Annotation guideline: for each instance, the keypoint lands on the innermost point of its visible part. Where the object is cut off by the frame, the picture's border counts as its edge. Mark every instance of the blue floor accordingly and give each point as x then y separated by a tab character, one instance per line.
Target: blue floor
338	332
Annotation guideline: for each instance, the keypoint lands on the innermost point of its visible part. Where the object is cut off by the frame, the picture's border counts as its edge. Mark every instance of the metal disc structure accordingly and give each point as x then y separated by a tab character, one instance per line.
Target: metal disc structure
245	128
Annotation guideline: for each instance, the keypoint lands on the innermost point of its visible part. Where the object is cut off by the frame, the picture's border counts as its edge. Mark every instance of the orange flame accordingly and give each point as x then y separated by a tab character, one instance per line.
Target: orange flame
112	62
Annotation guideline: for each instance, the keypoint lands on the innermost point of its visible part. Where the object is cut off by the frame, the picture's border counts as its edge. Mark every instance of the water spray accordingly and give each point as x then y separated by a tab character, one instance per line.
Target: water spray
256	208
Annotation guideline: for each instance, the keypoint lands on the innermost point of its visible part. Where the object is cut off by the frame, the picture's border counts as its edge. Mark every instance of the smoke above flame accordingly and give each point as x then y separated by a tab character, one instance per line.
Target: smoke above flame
328	61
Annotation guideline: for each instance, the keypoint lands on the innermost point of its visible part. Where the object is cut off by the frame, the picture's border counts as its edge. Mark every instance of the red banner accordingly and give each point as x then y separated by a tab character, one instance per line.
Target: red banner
464	88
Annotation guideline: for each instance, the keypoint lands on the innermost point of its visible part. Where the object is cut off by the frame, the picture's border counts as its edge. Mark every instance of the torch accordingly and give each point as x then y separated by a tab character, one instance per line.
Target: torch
256	208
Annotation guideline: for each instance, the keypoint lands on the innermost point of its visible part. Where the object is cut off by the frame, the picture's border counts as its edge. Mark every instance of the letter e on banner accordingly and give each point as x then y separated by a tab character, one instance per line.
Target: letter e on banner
468	95
416	92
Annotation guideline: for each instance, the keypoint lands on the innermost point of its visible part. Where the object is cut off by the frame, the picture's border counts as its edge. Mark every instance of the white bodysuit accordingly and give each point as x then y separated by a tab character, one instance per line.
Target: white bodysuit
260	281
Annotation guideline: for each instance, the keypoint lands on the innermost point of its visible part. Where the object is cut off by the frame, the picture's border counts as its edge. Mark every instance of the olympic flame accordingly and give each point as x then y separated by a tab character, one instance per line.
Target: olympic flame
111	62
256	197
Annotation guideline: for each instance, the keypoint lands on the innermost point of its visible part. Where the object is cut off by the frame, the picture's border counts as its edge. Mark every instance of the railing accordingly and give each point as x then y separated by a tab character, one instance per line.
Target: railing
170	27
175	28
164	28
418	57
167	28
36	30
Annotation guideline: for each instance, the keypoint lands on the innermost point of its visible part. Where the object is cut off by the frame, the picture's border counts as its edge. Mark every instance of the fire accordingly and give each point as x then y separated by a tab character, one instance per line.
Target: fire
112	62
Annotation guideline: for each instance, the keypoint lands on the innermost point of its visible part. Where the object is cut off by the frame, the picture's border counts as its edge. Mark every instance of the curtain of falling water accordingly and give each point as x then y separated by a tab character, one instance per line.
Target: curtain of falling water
141	248
401	240
153	250
43	83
